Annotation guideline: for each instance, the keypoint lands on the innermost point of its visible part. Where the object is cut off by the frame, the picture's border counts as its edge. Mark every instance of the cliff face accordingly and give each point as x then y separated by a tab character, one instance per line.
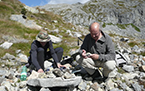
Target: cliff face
107	12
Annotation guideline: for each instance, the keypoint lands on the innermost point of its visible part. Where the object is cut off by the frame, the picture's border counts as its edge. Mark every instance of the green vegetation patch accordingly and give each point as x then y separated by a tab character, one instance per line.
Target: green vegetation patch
121	26
64	46
8	27
132	44
142	53
120	70
135	27
25	47
104	24
5	10
8	7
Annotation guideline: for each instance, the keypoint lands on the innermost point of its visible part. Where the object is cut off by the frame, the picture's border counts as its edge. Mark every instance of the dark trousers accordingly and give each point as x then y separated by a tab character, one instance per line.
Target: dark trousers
41	57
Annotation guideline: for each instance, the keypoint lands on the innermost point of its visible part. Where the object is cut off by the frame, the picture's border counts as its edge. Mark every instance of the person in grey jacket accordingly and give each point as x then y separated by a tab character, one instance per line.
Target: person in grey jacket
97	50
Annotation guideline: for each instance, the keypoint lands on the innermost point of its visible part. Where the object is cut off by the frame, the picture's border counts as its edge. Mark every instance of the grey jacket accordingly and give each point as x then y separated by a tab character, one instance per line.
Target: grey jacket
104	47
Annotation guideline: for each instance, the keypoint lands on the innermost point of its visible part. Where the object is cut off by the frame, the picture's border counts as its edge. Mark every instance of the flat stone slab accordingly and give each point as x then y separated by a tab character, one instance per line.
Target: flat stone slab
55	82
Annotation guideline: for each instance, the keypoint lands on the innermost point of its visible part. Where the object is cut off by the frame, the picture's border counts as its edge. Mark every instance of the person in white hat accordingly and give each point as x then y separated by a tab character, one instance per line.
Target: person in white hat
39	53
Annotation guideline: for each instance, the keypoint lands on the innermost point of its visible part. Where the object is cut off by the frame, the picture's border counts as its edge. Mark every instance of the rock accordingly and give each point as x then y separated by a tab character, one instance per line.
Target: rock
115	89
6	45
14	39
1	79
125	87
55	39
142	68
27	23
23	84
3	88
47	64
23	58
7	85
143	58
33	75
82	86
129	76
18	51
124	39
76	34
68	75
55	21
50	74
136	86
136	49
8	56
58	72
45	89
95	86
56	30
69	33
54	82
31	9
128	68
110	84
113	73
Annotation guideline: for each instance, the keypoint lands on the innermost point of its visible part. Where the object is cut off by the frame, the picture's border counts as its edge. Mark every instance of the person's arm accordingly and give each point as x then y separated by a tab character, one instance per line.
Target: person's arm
34	56
84	46
85	43
53	54
110	51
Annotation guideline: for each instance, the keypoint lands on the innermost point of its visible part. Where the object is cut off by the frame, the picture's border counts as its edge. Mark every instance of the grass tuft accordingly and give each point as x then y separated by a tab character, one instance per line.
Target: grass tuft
132	44
135	27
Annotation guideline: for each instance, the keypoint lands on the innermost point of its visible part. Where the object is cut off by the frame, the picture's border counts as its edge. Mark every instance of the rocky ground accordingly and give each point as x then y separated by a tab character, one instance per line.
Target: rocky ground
128	76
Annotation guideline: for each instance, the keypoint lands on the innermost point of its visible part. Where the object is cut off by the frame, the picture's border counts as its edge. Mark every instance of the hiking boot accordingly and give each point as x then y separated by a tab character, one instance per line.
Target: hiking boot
97	75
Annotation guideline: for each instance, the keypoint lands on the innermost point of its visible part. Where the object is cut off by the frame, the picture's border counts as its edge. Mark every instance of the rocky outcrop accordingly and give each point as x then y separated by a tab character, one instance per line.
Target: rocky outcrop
25	22
110	12
33	10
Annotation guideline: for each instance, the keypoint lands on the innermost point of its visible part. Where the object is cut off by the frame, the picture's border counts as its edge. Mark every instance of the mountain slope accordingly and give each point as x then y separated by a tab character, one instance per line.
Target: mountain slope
108	11
16	30
121	13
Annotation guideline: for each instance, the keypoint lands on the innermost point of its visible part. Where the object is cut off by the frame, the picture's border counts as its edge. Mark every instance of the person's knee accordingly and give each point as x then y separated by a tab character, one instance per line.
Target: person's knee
40	50
110	65
77	58
59	49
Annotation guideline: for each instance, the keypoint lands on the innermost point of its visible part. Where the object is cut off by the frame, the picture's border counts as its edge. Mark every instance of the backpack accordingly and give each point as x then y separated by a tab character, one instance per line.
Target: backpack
120	58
